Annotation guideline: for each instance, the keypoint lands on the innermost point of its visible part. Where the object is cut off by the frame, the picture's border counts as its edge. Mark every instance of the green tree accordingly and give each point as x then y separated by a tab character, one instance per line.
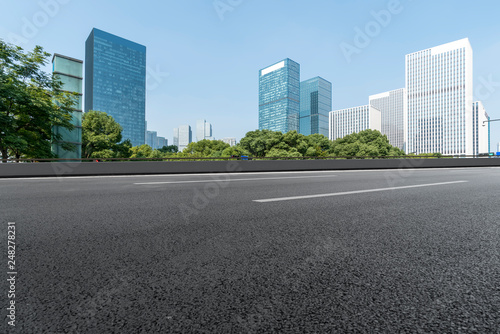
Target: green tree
31	103
266	143
236	151
142	151
318	145
169	149
101	135
123	150
206	148
281	153
157	154
258	143
367	143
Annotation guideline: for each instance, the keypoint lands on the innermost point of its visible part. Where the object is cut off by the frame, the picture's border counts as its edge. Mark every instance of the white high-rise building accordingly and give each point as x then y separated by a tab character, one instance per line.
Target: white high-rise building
203	130
481	135
498	147
176	137
439	92
230	140
393	109
353	120
208	131
185	136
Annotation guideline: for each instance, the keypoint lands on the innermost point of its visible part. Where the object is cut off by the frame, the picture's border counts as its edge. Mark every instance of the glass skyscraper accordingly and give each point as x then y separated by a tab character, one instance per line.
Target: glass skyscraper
162	141
315	105
279	96
152	139
69	71
115	82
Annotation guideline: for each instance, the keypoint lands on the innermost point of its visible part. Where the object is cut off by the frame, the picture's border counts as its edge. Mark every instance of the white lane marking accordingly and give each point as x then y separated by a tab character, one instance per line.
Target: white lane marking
156	175
354	192
234	180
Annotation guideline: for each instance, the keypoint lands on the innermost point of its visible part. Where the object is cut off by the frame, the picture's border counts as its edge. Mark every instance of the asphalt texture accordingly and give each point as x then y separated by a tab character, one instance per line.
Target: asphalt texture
198	254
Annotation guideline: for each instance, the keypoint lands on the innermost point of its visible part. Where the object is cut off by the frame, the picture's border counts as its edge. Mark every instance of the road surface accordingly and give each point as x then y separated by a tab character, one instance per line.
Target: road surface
324	252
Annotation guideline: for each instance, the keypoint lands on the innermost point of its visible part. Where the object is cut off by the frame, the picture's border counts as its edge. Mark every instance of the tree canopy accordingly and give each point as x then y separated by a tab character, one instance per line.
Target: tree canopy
367	143
101	135
206	148
266	143
31	103
260	144
169	149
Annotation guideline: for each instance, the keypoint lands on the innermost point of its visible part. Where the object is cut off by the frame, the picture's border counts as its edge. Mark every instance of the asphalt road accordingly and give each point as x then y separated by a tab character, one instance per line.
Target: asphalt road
415	251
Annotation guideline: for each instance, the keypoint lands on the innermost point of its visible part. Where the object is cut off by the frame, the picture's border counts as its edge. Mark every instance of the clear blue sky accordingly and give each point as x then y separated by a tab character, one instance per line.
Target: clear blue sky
212	58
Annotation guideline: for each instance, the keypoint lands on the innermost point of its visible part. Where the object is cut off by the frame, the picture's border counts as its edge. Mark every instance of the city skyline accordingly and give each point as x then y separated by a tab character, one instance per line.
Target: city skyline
173	77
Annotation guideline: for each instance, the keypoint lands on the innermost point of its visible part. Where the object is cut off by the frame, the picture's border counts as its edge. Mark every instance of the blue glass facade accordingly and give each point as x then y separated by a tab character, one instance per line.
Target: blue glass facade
315	106
70	72
279	96
115	82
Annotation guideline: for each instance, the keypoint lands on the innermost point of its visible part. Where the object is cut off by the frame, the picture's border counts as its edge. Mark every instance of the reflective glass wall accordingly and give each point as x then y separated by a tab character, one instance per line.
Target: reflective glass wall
115	82
315	105
69	71
279	96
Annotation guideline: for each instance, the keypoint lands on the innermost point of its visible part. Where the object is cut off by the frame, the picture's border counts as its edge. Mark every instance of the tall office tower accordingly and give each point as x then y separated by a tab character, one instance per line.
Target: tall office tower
162	142
203	130
498	147
152	139
70	72
208	131
353	120
439	88
315	105
176	137
393	109
185	136
279	96
481	135
115	82
231	141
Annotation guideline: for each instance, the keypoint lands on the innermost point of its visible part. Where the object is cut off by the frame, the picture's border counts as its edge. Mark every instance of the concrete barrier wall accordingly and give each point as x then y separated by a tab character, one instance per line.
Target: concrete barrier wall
62	169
